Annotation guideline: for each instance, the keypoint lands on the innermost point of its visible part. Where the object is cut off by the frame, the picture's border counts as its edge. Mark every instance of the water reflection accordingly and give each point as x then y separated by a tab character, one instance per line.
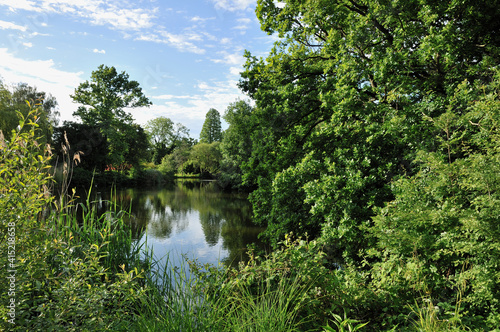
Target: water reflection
192	218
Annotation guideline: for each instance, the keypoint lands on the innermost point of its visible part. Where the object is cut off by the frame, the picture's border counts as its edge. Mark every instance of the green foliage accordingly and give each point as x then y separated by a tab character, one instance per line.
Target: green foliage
69	274
165	137
206	157
236	146
345	324
444	219
211	131
297	270
339	103
104	101
106	96
177	161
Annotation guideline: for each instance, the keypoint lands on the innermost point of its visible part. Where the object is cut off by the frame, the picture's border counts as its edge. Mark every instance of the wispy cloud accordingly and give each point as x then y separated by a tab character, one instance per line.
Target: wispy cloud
168	97
117	15
11	26
27	44
20	4
230	58
95	50
44	75
182	42
201	19
122	18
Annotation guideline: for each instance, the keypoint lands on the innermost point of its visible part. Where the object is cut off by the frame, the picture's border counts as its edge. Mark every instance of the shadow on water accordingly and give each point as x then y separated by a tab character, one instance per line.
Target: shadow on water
190	218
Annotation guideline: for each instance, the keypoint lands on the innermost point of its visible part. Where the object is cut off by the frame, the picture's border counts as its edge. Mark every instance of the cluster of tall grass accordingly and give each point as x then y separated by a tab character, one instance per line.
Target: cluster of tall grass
67	272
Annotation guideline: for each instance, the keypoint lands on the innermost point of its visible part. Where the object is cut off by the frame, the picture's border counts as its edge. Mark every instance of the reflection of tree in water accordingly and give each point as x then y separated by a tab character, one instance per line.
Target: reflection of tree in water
166	214
223	216
211	225
238	231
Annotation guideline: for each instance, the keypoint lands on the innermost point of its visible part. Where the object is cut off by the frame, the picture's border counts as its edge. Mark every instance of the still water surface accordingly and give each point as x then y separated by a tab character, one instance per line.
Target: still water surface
191	218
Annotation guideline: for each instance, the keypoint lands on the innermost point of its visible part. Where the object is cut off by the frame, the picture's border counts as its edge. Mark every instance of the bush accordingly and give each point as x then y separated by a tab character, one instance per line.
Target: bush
293	280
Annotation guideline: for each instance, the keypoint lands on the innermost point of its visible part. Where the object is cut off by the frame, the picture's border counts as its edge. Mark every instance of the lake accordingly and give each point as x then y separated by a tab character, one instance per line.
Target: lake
190	218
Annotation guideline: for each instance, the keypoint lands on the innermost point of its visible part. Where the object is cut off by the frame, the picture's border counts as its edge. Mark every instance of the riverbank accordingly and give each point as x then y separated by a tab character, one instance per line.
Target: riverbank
73	275
90	274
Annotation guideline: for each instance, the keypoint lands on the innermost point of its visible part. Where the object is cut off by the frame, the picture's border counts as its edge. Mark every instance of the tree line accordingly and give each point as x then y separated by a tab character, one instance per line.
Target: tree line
106	137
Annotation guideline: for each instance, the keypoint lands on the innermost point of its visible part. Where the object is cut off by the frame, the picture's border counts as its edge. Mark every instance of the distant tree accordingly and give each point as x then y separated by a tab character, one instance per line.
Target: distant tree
206	157
104	99
12	102
165	136
211	130
175	162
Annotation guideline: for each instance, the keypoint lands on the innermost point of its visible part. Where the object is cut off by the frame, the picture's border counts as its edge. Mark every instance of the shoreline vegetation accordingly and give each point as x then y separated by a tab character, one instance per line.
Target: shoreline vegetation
91	275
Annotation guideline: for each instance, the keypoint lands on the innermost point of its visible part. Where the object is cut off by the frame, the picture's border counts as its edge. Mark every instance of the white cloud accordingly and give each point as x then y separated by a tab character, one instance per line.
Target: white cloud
27	44
240	27
12	26
45	76
121	18
244	20
20	4
230	59
95	50
181	42
201	19
233	5
116	14
167	97
235	71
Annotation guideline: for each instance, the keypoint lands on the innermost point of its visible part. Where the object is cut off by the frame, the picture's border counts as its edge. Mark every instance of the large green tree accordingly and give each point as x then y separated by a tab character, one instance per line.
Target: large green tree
340	102
104	99
211	130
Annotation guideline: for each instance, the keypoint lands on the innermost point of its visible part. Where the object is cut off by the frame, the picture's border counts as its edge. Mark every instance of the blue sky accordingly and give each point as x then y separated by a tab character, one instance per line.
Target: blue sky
186	55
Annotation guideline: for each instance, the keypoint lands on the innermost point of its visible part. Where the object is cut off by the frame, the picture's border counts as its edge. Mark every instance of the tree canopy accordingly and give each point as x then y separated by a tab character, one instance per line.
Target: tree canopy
340	102
165	136
104	99
211	130
375	131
